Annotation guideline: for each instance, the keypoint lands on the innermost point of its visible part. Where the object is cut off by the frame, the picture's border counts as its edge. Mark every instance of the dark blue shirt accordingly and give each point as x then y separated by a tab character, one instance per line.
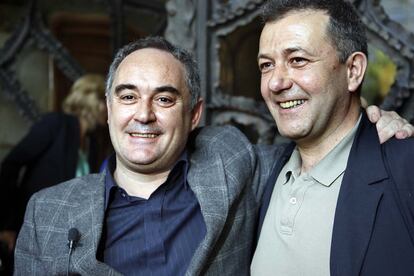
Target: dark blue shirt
154	236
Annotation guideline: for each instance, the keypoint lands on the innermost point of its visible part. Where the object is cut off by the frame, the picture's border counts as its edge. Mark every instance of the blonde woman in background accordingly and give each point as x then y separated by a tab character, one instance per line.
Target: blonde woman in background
58	147
86	101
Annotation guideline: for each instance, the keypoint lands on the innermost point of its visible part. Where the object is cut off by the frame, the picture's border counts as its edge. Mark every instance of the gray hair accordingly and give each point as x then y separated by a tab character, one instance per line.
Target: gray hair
345	28
192	77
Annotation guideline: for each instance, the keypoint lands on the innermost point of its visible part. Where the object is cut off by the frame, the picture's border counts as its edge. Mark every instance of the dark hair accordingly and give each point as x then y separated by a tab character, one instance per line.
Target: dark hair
160	43
345	27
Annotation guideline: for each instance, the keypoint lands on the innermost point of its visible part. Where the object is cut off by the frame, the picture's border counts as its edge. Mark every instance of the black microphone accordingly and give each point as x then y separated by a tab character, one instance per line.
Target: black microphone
73	238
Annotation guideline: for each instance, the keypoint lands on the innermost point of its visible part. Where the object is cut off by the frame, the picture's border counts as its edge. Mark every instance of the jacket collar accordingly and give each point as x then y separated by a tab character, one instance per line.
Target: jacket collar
90	224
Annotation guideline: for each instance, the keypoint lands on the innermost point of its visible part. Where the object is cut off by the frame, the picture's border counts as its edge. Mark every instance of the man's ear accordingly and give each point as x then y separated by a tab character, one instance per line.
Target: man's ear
356	66
196	114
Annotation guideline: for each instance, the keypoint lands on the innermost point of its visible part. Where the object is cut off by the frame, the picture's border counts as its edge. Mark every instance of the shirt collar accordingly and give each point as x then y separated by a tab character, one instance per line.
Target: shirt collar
330	167
292	167
110	184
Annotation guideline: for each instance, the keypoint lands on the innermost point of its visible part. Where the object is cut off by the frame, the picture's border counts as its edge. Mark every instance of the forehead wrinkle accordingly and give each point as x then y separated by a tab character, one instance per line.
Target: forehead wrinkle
297	49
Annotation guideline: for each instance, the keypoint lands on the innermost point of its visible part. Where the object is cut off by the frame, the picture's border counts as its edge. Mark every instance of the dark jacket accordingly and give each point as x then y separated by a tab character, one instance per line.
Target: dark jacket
49	155
373	232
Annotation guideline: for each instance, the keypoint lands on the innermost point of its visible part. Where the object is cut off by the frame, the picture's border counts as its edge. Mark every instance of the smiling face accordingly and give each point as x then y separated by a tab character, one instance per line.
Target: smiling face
149	113
302	81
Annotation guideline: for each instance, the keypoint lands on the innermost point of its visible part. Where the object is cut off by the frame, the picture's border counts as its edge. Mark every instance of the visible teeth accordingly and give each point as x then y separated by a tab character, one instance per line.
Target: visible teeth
291	104
144	135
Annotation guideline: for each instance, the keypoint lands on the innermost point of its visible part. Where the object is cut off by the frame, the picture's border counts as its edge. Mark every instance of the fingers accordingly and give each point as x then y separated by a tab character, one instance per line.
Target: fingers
388	129
386	118
391	124
374	113
364	102
406	131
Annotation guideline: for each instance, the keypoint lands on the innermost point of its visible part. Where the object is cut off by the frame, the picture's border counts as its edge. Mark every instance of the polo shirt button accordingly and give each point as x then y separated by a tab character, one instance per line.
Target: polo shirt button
293	200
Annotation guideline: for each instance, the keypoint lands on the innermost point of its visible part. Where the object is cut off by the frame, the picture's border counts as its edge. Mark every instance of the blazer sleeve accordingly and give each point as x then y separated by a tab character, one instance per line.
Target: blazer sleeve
243	161
28	258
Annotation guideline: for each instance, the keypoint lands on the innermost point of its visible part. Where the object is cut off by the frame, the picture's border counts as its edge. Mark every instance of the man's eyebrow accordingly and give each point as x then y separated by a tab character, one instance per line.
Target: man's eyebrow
167	88
163	88
259	56
286	51
296	49
125	86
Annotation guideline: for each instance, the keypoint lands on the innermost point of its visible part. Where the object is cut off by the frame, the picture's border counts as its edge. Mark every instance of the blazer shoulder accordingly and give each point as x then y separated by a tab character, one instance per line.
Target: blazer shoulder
226	133
225	143
73	188
399	155
399	151
227	136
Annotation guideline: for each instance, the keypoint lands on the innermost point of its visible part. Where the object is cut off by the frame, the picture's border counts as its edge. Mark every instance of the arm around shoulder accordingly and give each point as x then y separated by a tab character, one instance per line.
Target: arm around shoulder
223	140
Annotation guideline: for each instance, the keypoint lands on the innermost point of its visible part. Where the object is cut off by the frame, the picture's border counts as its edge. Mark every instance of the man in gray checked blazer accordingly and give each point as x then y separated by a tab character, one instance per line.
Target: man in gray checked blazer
150	89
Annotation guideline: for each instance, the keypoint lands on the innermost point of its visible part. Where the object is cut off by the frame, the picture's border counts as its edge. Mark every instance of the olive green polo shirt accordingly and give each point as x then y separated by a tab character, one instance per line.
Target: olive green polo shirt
296	234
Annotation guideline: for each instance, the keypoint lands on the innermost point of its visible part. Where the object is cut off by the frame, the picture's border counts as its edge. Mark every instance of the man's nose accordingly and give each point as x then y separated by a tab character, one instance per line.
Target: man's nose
145	112
279	80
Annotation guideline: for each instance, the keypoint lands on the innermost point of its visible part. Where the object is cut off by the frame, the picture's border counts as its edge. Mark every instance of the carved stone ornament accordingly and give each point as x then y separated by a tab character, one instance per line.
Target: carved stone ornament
181	28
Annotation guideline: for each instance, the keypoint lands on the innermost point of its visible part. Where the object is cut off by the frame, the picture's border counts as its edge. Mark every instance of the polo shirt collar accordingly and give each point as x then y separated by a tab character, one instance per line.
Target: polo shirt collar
330	167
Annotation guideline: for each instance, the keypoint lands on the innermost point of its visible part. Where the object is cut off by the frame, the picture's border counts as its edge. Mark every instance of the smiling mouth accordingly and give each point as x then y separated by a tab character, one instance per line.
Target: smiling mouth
144	135
291	104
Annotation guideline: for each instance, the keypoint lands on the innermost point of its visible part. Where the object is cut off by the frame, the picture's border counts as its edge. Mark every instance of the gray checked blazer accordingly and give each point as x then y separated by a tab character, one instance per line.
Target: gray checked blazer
227	175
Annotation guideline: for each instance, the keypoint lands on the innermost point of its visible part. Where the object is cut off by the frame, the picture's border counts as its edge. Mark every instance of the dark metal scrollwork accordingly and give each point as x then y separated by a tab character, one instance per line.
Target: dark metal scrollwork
116	10
32	30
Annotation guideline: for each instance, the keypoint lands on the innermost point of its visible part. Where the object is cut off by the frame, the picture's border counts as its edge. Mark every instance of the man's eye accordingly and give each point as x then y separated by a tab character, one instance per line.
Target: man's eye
263	67
165	101
127	98
298	60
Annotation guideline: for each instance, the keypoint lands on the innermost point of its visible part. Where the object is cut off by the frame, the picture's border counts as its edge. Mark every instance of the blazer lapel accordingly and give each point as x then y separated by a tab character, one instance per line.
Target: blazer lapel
206	178
90	225
270	184
361	191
